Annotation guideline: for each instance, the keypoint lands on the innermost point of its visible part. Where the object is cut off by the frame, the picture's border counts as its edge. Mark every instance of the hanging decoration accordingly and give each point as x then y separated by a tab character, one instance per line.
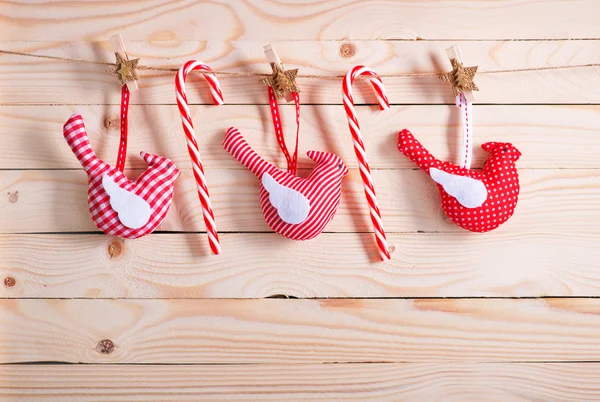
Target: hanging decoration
119	206
478	201
359	148
192	143
295	207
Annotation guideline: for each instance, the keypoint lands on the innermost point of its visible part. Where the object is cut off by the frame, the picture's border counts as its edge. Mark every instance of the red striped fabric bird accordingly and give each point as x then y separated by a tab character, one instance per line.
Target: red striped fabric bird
119	206
478	201
295	207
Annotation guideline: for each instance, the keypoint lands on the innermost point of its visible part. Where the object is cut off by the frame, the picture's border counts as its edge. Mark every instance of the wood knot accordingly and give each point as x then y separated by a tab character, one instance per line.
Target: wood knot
13	197
110	123
347	50
9	281
391	248
115	248
105	347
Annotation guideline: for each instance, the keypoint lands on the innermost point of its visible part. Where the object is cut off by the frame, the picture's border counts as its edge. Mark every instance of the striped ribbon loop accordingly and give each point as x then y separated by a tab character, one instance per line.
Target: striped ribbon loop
466	112
124	128
292	161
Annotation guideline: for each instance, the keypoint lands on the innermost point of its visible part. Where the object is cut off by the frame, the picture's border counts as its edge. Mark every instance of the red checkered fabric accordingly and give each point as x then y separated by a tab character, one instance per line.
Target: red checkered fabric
154	185
322	187
499	175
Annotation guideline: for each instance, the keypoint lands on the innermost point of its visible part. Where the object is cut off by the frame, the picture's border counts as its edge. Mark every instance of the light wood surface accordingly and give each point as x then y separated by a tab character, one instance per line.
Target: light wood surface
34	137
512	315
409	200
454	382
56	82
163	20
501	264
300	331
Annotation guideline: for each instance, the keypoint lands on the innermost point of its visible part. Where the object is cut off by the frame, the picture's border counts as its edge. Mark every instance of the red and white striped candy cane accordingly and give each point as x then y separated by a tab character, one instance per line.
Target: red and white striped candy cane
188	128
359	148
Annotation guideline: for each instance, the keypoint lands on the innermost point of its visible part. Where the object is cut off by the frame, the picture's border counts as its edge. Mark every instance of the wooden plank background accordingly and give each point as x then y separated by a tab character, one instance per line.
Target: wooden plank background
512	315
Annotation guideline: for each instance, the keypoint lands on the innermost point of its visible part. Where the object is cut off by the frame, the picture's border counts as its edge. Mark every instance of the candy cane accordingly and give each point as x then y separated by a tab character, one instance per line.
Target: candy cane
359	148
190	134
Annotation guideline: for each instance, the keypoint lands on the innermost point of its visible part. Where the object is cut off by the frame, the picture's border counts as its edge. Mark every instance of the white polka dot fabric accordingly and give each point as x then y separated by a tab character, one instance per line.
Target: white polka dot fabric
499	175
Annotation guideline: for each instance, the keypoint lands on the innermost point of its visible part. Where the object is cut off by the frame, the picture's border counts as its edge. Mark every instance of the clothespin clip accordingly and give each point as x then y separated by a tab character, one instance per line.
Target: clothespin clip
461	77
125	69
283	82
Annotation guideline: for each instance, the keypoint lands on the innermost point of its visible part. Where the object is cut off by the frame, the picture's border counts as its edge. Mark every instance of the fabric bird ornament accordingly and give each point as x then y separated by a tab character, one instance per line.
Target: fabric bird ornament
119	206
295	207
478	201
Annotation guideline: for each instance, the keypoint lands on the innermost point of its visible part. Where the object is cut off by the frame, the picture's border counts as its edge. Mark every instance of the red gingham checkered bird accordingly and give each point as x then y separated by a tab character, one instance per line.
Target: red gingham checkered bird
119	206
295	207
476	201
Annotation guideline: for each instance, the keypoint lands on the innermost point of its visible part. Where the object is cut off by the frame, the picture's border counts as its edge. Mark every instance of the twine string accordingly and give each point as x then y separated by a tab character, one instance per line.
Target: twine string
324	77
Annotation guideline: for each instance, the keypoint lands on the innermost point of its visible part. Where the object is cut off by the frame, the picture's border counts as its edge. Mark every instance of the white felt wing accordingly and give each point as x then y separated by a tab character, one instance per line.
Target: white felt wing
134	212
292	207
469	192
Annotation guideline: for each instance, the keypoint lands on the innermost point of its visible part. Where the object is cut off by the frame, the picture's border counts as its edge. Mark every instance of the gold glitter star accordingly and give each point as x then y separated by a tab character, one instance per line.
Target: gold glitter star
282	81
461	77
125	69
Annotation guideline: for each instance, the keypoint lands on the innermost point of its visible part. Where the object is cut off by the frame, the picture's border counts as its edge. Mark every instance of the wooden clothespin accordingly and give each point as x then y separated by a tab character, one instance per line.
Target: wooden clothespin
283	82
461	77
125	69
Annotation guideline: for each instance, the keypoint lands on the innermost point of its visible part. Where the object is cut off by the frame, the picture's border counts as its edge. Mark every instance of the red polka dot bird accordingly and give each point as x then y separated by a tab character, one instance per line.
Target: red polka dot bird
478	201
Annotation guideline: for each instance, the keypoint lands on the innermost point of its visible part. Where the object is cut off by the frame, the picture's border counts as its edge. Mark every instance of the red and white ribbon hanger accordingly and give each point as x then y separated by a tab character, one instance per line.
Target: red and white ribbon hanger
464	101
118	46
291	94
466	109
192	143
359	148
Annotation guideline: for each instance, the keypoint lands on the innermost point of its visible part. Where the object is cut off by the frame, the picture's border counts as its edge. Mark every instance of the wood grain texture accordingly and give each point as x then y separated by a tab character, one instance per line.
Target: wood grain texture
160	20
36	81
34	137
300	331
450	382
257	265
154	298
551	200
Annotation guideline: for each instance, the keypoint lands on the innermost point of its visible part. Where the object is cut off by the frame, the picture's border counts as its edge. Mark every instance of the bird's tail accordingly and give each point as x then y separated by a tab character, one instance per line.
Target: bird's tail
236	145
412	148
77	138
